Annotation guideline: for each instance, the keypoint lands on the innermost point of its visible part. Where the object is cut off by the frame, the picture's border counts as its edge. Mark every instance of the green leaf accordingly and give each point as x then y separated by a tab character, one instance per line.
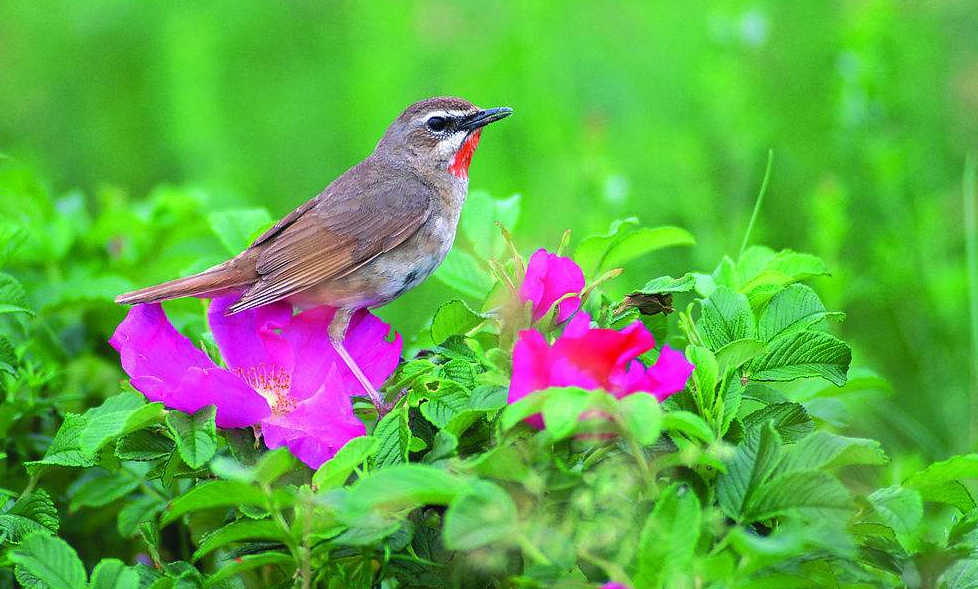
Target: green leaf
737	353
237	228
8	356
13	298
899	508
243	529
37	506
443	446
668	539
824	450
803	489
143	445
706	373
387	491
334	472
136	511
479	217
752	464
51	560
65	449
940	481
393	435
118	415
273	465
247	562
214	494
796	308
801	355
687	423
668	285
488	398
790	420
112	573
102	489
480	515
453	318
726	317
759	268
562	410
642	417
195	435
523	408
642	241
462	271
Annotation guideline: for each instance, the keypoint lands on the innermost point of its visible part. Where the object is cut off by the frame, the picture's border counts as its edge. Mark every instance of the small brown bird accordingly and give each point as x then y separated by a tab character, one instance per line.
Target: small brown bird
373	234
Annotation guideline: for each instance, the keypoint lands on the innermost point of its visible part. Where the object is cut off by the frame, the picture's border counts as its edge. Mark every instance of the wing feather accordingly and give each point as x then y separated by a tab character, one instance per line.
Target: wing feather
348	225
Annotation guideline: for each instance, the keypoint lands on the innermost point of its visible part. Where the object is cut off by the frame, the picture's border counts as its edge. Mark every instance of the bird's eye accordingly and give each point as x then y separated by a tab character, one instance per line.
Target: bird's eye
437	124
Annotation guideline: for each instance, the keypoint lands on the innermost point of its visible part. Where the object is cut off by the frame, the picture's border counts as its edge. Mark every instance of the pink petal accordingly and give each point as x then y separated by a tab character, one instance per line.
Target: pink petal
317	428
578	326
366	341
669	373
567	307
308	336
165	366
549	277
248	339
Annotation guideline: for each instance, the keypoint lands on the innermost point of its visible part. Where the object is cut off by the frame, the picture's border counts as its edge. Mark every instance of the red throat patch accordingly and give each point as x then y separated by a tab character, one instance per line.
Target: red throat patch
459	166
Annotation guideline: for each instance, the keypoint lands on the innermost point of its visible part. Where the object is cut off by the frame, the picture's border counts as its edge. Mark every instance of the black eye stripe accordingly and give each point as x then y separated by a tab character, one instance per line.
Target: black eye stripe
437	123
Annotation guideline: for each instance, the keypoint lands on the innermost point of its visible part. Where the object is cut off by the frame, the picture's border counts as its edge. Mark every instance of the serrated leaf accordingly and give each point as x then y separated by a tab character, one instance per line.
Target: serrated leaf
802	355
824	450
8	356
118	415
443	446
102	489
38	507
791	420
901	509
51	560
668	284
488	398
752	464
760	267
112	573
334	472
13	298
65	449
480	515
453	318
642	241
725	317
195	435
642	417
243	529
237	228
802	489
393	435
796	308
139	510
940	481
143	445
214	494
668	538
737	353
563	409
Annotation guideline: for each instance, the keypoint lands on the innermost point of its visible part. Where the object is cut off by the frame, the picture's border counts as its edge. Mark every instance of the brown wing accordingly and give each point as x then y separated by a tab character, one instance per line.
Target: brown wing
366	212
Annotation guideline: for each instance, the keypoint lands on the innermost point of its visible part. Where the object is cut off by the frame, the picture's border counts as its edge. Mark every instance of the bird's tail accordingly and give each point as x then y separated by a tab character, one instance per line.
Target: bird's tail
219	280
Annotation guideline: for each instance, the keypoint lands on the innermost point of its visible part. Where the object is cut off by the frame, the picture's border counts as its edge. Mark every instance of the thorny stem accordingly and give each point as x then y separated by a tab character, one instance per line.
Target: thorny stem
294	549
757	203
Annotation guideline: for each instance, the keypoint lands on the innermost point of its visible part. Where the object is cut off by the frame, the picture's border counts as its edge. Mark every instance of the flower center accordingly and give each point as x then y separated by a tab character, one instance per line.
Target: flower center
273	383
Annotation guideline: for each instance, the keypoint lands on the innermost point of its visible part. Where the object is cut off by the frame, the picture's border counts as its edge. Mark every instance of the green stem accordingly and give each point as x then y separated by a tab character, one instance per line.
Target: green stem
757	203
533	552
970	195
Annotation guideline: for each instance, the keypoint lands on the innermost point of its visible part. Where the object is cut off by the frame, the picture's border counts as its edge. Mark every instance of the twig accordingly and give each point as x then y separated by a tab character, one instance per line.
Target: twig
757	203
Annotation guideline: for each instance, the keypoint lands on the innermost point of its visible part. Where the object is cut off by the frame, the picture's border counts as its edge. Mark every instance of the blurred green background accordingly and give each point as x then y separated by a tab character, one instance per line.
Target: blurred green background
661	110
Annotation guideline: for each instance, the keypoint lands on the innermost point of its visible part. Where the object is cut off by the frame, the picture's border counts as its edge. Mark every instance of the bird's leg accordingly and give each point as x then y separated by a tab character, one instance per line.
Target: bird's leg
337	332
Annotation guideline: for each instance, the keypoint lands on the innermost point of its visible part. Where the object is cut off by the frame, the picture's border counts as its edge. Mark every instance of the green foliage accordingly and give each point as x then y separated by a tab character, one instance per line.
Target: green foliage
751	476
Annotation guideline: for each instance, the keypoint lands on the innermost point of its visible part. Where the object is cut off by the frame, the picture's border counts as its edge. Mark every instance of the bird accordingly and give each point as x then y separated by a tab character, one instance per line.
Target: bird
374	233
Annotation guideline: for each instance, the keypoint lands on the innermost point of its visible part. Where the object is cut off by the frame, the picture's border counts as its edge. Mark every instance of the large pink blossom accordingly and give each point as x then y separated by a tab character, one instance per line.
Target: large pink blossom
548	278
282	373
595	359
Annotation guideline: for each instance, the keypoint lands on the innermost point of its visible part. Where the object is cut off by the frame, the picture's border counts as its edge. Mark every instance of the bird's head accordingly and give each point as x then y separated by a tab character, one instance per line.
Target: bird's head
439	134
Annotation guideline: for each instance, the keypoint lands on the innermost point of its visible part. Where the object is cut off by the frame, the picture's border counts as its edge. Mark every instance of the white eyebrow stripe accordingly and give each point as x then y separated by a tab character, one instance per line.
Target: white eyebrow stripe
446	113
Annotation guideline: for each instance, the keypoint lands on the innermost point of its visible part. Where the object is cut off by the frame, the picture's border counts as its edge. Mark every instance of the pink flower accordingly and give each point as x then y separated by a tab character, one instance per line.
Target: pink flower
613	585
549	277
282	372
595	359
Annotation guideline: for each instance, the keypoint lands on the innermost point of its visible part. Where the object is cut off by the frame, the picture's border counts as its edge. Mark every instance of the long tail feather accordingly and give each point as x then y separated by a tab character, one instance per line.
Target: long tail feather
214	281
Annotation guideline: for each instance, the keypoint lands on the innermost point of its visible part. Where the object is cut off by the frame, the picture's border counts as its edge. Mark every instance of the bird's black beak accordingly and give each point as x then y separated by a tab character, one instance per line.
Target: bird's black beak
484	117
